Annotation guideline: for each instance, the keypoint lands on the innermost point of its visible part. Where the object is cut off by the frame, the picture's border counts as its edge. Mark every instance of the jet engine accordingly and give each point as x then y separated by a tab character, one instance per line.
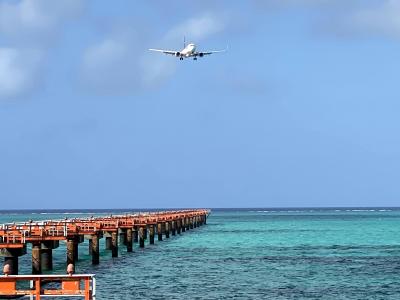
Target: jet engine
201	54
177	54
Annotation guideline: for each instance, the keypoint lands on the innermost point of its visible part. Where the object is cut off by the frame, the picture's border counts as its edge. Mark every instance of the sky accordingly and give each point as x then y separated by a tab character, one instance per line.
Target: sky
302	111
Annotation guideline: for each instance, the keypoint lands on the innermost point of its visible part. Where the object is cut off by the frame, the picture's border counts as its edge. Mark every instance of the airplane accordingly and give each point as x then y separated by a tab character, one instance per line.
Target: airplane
187	51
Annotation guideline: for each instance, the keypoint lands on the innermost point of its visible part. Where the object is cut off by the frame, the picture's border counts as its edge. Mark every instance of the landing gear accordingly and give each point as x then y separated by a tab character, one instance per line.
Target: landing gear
181	58
195	58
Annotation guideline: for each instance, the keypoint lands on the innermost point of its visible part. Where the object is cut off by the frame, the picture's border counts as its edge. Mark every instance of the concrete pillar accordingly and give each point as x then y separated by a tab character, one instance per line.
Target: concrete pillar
167	229
129	241
159	231
90	246
151	234
108	243
135	235
145	232
95	249
178	226
71	251
194	221
36	263
183	222
122	236
187	222
12	261
46	255
76	248
173	228
141	236
114	244
205	219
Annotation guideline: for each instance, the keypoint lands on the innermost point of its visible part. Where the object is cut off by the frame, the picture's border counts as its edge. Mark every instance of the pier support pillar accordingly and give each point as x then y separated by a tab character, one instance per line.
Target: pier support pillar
191	226
145	233
178	226
141	236
135	235
90	246
187	222
195	222
114	244
108	243
122	236
95	249
129	240
11	258
12	261
173	228
151	234
183	222
167	229
36	262
159	231
46	254
205	219
76	247
71	251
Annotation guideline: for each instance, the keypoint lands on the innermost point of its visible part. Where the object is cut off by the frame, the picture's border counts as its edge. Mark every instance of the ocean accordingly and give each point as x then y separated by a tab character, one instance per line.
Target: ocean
309	253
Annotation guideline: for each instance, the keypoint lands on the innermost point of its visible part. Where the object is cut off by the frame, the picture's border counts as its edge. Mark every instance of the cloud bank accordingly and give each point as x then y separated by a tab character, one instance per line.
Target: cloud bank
19	70
29	28
382	19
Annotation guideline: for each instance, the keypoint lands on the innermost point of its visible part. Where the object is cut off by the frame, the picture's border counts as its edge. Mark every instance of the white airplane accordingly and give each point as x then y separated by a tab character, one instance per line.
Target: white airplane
187	52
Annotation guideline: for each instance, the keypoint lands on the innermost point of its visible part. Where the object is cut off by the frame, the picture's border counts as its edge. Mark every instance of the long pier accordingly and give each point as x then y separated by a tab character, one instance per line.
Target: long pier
122	229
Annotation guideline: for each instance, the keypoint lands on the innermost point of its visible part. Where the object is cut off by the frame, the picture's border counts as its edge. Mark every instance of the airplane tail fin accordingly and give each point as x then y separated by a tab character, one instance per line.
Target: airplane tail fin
184	42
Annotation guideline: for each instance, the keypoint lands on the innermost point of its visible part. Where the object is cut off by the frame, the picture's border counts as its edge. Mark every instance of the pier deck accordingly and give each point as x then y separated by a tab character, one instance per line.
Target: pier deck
130	228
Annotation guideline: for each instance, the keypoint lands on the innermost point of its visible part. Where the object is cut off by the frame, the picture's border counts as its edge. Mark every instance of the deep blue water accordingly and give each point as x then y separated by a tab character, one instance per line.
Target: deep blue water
338	253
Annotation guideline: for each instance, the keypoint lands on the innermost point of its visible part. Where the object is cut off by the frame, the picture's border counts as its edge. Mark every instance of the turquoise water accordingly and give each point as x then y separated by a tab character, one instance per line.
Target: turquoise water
255	254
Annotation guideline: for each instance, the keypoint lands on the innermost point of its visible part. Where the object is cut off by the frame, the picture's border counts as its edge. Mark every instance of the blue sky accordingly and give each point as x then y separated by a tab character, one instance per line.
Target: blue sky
301	111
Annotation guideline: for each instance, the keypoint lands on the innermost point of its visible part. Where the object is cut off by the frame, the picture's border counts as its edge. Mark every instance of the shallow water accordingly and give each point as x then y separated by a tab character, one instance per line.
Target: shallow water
254	254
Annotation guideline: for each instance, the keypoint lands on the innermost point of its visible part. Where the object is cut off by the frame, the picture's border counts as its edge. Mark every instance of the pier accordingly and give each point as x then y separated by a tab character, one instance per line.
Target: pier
45	236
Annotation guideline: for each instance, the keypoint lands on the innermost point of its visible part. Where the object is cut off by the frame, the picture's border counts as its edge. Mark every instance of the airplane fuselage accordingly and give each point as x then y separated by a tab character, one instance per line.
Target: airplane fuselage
188	50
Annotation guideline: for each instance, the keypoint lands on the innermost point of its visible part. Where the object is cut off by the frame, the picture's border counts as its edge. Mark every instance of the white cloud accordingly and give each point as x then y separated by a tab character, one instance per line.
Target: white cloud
33	25
197	28
346	18
18	71
35	19
120	63
383	19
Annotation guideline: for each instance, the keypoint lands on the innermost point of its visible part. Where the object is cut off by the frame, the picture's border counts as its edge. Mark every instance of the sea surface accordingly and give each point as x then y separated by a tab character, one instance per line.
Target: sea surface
337	253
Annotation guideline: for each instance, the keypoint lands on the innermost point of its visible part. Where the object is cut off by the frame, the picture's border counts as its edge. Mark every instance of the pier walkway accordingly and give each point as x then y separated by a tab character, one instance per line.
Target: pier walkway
44	236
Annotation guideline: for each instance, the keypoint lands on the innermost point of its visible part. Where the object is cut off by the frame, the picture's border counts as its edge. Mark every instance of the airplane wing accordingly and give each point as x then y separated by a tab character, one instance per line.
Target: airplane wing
212	52
209	52
165	51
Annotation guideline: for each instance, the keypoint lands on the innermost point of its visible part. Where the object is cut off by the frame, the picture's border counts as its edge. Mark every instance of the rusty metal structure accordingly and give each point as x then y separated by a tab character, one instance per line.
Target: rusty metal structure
44	236
41	286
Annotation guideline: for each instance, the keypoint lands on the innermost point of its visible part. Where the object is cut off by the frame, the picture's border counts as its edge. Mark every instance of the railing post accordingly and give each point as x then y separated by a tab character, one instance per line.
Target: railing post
37	288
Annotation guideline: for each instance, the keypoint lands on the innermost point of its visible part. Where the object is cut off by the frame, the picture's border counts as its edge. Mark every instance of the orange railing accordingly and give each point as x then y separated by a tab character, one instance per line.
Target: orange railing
49	286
